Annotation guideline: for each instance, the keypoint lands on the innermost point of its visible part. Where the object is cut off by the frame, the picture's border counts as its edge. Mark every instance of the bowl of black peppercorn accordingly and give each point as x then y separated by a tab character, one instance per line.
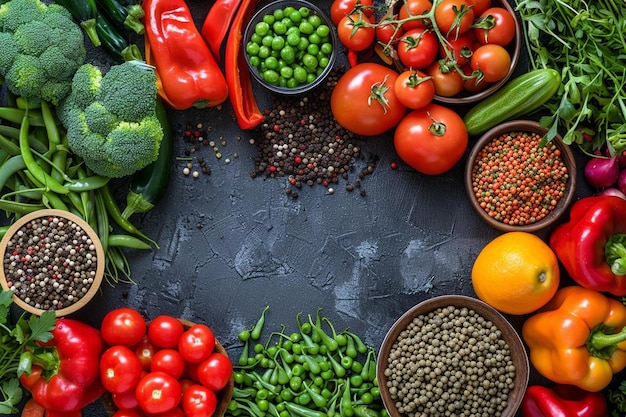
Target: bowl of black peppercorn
52	260
452	355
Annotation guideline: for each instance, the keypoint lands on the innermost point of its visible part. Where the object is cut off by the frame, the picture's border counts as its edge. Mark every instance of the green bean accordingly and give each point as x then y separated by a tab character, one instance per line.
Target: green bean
27	192
77	205
59	159
101	222
13	165
52	130
92	182
19	208
128	241
8	145
15	115
302	411
54	201
24	103
58	169
4	230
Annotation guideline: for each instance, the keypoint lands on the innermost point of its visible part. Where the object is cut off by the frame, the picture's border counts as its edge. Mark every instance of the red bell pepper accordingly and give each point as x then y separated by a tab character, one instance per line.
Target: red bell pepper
217	23
562	401
237	74
592	245
65	377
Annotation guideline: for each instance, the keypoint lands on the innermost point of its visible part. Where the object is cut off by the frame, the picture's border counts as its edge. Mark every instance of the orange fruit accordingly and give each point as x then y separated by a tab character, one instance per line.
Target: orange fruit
516	273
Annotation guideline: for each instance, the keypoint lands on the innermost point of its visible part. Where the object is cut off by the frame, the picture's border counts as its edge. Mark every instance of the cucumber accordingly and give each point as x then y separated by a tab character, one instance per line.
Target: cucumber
516	98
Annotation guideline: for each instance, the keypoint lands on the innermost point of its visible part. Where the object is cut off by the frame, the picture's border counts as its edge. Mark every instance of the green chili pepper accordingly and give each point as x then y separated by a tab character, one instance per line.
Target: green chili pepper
128	241
328	341
255	334
345	404
318	399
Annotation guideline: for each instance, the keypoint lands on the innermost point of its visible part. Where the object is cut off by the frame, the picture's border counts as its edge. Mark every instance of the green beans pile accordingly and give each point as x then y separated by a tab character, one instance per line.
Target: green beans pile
311	372
38	171
290	47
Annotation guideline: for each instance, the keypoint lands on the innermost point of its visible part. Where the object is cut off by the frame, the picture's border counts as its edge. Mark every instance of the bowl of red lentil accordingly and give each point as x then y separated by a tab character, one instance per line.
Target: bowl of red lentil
514	183
52	261
452	355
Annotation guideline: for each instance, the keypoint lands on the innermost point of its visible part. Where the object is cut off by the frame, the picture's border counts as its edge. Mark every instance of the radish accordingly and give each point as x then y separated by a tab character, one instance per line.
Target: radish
602	172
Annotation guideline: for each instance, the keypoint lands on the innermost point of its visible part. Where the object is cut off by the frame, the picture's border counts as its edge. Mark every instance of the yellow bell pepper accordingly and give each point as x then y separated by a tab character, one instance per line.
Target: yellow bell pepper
578	338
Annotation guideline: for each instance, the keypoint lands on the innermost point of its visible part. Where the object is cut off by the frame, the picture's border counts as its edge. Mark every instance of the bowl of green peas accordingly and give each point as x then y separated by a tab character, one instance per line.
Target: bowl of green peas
290	46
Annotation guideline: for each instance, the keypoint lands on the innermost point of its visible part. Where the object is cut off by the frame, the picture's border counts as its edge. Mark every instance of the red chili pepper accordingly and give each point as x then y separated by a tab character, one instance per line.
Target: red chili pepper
353	58
217	23
562	401
238	79
65	376
187	73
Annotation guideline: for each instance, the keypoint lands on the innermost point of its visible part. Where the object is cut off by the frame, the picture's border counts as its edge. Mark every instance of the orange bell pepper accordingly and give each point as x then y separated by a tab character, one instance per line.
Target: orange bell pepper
578	338
187	73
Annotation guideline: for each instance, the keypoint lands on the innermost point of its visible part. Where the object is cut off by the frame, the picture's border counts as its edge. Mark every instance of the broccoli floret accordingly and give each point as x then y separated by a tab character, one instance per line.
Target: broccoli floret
111	119
32	32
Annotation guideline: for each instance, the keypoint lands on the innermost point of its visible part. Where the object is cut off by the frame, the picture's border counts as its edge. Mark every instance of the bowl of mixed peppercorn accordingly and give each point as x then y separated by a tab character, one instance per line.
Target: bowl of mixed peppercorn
52	260
452	355
290	46
515	181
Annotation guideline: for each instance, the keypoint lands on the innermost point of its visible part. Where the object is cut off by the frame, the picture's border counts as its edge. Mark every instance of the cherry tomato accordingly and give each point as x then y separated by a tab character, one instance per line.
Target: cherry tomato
128	413
454	17
169	361
414	8
164	331
479	6
461	47
495	25
473	84
414	89
144	350
123	326
448	82
386	30
158	392
364	101
120	369
493	61
199	401
176	412
432	139
196	343
185	383
341	8
215	372
355	31
125	400
418	48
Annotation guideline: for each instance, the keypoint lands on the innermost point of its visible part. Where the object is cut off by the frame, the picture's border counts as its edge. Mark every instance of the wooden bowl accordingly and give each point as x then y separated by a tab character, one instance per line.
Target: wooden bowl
566	155
508	334
93	286
223	396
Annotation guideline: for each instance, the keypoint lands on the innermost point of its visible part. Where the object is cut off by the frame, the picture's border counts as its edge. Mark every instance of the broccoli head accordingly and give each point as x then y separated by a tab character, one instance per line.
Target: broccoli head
42	47
111	119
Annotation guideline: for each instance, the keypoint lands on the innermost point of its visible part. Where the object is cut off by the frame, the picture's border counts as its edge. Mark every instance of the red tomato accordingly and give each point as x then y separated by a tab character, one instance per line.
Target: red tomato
144	350
431	140
447	82
199	401
185	383
493	61
495	25
454	17
412	8
169	361
158	392
386	31
196	343
473	84
461	47
215	372
128	413
123	326
164	331
414	89
355	32
364	101
176	412
341	8
479	6
418	48
125	400
120	369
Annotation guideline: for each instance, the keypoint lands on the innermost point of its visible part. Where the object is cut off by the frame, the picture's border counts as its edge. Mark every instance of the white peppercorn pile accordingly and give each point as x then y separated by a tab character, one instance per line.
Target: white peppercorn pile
50	263
450	362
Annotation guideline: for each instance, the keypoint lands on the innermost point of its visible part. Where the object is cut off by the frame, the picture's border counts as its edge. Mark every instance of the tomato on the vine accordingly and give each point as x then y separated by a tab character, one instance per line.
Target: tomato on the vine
355	31
414	89
418	48
215	372
432	139
158	392
364	101
479	6
448	82
412	8
454	17
120	369
493	61
169	361
387	30
341	8
461	47
473	84
199	401
164	331
495	25
196	343
123	326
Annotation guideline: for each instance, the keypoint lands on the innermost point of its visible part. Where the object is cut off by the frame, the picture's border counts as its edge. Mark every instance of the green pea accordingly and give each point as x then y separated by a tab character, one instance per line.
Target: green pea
310	78
288	54
309	61
271	63
367	398
277	43
262	28
323	61
304	11
303	44
327	48
293	38
267	40
263	405
288	23
288	10
295	16
256	38
252	48
315	39
303	399
279	27
269	19
315	20
271	76
313	49
286	395
279	14
264	52
292	83
306	27
322	31
299	74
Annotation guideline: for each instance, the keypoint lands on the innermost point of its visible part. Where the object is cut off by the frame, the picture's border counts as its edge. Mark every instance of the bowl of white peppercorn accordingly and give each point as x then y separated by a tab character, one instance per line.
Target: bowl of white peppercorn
452	355
52	261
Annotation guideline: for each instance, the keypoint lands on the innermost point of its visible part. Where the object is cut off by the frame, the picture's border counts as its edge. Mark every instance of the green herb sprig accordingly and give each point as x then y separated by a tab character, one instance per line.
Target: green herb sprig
16	339
585	41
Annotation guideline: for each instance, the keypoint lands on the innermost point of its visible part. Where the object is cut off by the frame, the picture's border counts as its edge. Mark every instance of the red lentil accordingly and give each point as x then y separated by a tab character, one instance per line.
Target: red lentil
516	181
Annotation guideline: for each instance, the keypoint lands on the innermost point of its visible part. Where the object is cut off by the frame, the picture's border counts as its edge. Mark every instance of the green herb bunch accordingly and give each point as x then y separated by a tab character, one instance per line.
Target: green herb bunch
585	41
